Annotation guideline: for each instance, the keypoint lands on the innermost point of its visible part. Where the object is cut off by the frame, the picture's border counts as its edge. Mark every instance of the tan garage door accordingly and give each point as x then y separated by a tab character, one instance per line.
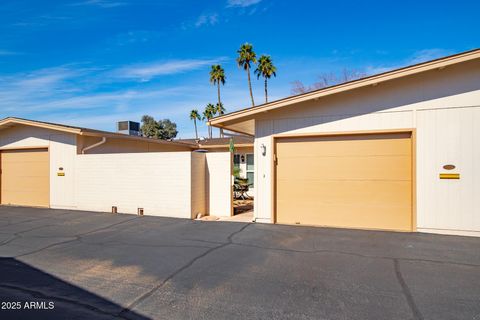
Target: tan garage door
354	181
25	177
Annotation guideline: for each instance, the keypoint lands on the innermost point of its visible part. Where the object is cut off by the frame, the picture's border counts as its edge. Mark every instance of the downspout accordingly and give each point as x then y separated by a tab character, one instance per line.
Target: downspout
104	139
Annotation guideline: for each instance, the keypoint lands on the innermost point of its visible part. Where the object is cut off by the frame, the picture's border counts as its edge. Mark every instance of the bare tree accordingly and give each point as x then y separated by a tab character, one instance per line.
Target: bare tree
327	80
352	74
298	87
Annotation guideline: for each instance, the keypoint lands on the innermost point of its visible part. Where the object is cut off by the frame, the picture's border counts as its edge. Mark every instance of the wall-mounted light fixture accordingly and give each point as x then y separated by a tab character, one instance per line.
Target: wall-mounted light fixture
263	148
242	158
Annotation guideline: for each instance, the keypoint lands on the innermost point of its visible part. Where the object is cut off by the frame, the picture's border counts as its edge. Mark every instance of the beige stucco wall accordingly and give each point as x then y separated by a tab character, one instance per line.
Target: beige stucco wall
62	151
113	145
198	184
219	183
442	105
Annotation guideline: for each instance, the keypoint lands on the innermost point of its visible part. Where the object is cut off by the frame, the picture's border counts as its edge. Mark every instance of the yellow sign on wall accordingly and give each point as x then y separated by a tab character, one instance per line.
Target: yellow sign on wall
449	175
61	174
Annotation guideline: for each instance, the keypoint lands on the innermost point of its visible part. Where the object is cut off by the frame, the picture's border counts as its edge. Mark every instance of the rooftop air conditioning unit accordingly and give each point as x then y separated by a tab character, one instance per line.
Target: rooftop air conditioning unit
131	128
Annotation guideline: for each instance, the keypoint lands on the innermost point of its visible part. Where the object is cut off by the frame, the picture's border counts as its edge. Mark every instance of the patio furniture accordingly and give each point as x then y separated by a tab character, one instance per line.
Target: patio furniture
240	189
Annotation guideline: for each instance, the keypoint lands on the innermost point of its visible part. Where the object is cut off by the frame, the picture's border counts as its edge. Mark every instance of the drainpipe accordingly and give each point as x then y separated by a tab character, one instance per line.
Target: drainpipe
104	139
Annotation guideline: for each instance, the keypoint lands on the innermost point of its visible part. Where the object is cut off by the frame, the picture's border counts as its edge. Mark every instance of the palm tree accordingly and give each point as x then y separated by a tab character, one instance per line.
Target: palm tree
220	110
266	69
207	115
246	56
194	115
217	77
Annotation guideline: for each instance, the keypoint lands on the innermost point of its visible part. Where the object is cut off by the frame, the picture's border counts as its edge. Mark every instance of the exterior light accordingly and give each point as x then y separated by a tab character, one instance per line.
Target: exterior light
263	148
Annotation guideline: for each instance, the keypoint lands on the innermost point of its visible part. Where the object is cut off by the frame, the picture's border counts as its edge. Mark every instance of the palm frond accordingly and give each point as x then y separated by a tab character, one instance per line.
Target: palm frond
265	67
217	74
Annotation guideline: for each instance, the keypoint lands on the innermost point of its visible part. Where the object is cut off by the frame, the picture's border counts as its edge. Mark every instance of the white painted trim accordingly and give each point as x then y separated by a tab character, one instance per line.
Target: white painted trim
451	232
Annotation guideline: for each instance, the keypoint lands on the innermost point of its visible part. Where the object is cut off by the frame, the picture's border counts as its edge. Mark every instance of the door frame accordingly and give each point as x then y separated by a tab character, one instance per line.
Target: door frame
274	140
26	148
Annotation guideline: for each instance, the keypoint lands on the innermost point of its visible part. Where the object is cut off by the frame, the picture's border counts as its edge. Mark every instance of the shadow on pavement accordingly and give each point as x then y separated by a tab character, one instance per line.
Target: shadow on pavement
29	293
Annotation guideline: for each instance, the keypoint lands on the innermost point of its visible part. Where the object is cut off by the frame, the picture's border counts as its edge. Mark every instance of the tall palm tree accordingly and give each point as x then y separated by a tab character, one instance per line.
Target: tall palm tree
217	77
194	115
208	114
246	56
266	69
220	110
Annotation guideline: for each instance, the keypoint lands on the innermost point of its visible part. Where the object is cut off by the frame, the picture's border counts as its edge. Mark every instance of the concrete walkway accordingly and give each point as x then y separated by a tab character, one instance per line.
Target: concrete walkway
242	217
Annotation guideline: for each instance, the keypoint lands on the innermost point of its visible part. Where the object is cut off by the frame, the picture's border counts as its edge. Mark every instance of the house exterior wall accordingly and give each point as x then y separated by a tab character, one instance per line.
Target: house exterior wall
125	146
443	107
199	184
62	152
173	184
448	136
219	183
160	183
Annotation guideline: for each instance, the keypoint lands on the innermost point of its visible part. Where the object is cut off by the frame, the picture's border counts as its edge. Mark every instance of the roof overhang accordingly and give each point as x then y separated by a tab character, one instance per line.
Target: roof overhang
243	121
12	122
222	146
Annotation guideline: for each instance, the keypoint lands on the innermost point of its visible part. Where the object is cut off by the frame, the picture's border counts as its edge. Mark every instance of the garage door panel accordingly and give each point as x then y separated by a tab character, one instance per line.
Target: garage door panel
366	192
16	197
345	146
25	177
350	181
351	216
27	183
346	168
26	168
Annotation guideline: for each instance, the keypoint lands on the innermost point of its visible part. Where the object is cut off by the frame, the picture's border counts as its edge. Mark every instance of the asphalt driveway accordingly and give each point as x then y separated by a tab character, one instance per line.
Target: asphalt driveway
59	264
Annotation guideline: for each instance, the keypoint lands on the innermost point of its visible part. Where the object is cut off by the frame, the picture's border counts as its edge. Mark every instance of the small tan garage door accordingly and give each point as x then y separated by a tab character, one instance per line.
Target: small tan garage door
354	181
25	177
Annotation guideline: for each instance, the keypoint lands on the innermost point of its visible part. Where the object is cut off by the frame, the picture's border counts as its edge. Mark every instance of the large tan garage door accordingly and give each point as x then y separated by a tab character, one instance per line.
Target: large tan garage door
25	177
354	181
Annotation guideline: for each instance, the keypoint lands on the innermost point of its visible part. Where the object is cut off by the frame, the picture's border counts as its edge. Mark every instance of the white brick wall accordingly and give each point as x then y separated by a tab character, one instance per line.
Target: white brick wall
158	182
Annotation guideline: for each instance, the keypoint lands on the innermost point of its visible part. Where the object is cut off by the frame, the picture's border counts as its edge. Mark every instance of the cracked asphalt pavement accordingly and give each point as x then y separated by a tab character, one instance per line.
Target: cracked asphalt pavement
103	266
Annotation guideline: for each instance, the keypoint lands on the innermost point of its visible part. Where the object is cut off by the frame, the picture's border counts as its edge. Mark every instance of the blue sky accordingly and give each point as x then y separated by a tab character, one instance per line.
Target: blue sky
93	62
